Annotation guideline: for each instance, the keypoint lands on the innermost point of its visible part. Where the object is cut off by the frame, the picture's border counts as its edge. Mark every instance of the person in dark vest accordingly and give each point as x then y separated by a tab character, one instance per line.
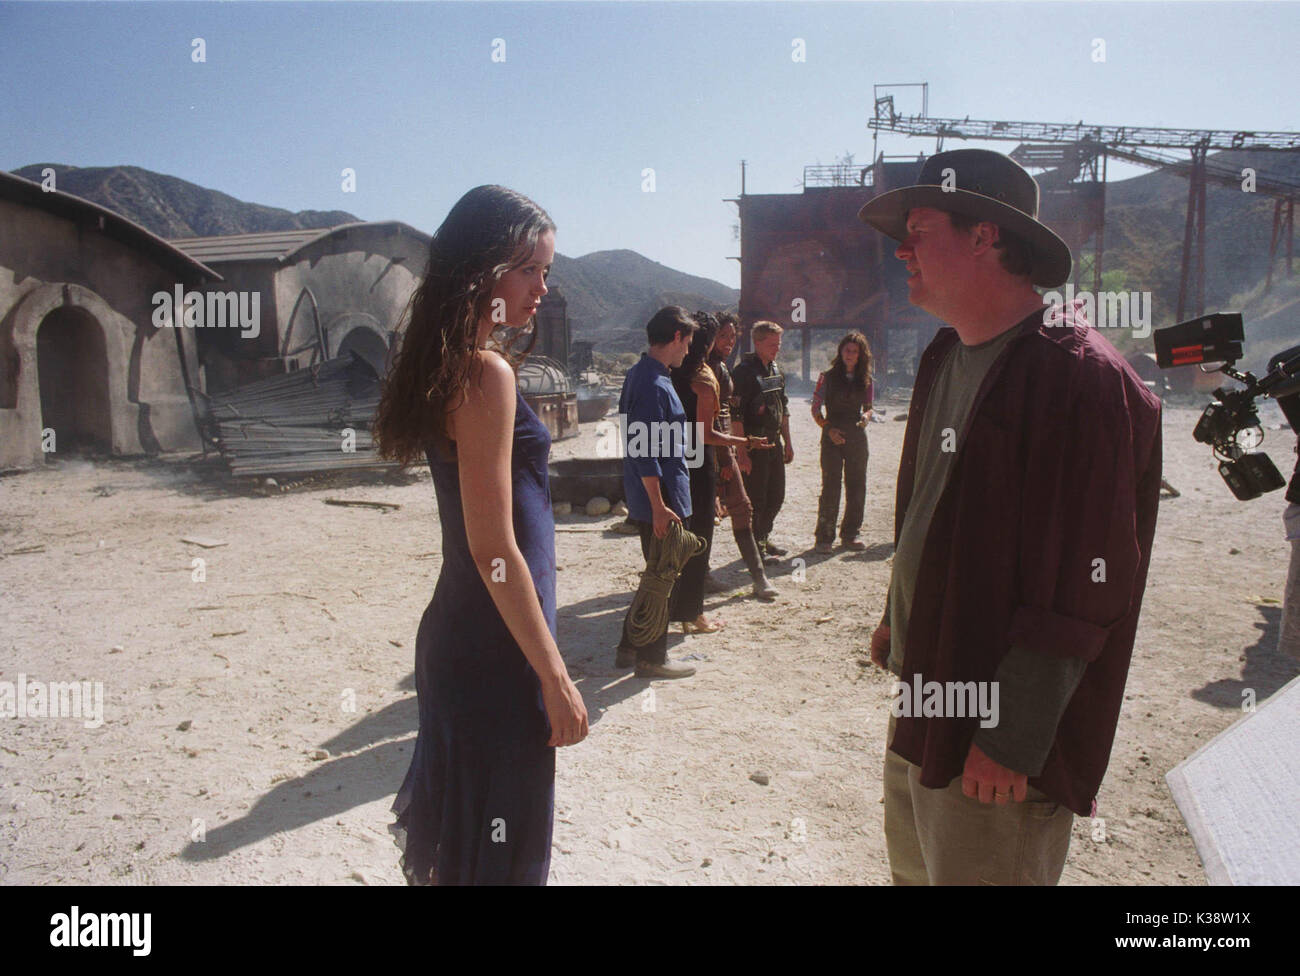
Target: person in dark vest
845	391
731	484
761	404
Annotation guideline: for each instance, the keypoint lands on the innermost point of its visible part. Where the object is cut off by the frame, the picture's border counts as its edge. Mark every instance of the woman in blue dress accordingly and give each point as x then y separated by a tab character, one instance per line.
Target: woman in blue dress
495	698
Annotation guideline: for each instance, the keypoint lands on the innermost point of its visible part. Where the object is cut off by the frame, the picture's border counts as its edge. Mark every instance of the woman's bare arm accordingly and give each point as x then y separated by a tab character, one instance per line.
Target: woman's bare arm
706	408
484	431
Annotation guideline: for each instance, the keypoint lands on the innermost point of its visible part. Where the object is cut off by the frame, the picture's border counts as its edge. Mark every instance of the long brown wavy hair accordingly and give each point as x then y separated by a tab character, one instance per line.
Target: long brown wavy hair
864	369
490	230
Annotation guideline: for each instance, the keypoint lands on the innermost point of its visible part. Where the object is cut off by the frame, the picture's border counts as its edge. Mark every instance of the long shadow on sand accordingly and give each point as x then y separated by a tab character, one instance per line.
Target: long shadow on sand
373	753
327	791
1263	672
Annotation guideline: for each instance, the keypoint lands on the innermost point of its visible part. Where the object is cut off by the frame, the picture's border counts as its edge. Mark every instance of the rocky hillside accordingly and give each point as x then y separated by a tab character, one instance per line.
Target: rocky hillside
172	207
1145	218
610	294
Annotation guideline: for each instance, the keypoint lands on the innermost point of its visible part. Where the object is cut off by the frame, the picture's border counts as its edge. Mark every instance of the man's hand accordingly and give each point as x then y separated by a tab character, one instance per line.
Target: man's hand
836	436
662	516
789	452
880	646
986	781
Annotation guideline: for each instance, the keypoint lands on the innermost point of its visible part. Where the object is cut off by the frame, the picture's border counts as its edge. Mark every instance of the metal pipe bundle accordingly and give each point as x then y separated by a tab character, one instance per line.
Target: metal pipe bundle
294	423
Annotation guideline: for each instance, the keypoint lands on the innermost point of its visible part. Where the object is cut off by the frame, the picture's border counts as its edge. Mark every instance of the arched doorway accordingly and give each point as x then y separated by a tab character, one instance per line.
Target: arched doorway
72	371
367	344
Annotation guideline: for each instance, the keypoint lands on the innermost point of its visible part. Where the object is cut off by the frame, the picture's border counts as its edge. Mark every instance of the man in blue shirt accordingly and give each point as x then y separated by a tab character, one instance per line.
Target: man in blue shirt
655	480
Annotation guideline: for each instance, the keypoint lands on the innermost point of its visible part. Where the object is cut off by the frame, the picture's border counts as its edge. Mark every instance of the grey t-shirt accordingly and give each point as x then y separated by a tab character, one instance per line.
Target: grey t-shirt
1034	690
946	409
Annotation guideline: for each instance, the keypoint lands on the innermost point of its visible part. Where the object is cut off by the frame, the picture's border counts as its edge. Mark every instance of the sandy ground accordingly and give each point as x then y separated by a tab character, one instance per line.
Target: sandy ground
219	696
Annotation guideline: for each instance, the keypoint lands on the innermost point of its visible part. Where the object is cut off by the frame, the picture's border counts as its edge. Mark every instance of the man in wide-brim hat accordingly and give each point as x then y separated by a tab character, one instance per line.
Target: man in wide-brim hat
983	186
1025	511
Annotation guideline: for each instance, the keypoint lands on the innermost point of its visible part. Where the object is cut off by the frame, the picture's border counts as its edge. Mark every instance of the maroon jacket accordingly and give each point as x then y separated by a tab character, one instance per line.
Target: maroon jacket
1059	465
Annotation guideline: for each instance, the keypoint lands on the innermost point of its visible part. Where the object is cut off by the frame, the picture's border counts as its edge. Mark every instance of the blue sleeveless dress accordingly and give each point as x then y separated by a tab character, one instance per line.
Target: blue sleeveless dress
477	804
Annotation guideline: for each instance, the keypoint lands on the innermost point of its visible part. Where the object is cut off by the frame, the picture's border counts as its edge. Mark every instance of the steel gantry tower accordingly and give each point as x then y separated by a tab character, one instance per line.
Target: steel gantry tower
1079	148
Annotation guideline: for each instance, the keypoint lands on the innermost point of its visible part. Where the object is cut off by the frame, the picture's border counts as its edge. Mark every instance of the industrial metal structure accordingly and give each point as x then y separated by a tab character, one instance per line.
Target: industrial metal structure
808	264
1076	150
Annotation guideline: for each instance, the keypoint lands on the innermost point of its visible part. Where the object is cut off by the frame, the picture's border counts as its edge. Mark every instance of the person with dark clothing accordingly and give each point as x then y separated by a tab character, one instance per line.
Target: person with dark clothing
1026	507
697	387
761	405
494	697
731	484
1288	398
845	391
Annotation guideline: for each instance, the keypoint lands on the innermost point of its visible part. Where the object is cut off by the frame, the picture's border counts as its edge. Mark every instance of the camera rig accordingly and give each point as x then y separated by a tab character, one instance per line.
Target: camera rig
1230	424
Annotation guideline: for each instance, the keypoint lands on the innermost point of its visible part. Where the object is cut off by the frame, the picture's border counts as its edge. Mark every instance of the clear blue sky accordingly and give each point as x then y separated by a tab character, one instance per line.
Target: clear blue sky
591	94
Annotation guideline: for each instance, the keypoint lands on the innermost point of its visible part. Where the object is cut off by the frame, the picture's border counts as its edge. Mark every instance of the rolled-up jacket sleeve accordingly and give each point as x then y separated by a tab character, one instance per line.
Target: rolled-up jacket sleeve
1080	555
1033	692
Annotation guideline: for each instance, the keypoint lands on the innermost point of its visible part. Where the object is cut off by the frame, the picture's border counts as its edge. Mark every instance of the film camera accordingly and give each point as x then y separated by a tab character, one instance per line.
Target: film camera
1231	423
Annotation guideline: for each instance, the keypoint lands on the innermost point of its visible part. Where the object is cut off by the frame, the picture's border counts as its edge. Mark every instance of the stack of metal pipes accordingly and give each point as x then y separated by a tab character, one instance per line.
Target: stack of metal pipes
313	419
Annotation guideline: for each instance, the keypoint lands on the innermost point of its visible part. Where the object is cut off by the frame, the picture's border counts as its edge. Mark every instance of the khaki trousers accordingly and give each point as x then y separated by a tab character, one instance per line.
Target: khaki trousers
943	837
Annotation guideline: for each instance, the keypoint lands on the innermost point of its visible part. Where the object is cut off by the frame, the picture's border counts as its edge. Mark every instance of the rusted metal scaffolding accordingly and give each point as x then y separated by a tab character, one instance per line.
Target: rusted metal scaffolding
1136	144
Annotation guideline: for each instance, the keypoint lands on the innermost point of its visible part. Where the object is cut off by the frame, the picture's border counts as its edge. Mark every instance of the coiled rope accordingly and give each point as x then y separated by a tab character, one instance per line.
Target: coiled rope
648	619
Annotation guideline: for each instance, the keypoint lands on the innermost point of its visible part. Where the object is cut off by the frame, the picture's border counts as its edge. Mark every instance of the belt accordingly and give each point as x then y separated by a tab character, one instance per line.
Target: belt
843	422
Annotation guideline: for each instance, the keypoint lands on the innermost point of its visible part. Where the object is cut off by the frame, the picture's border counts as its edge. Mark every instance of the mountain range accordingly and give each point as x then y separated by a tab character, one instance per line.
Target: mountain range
610	294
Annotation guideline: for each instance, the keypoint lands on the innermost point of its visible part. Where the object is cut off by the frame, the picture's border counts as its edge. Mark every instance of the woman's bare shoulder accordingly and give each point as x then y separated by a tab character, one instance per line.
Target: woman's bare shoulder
489	394
492	375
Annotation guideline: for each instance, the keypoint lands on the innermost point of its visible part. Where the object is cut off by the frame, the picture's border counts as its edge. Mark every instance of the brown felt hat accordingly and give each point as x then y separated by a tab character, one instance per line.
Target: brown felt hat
985	185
